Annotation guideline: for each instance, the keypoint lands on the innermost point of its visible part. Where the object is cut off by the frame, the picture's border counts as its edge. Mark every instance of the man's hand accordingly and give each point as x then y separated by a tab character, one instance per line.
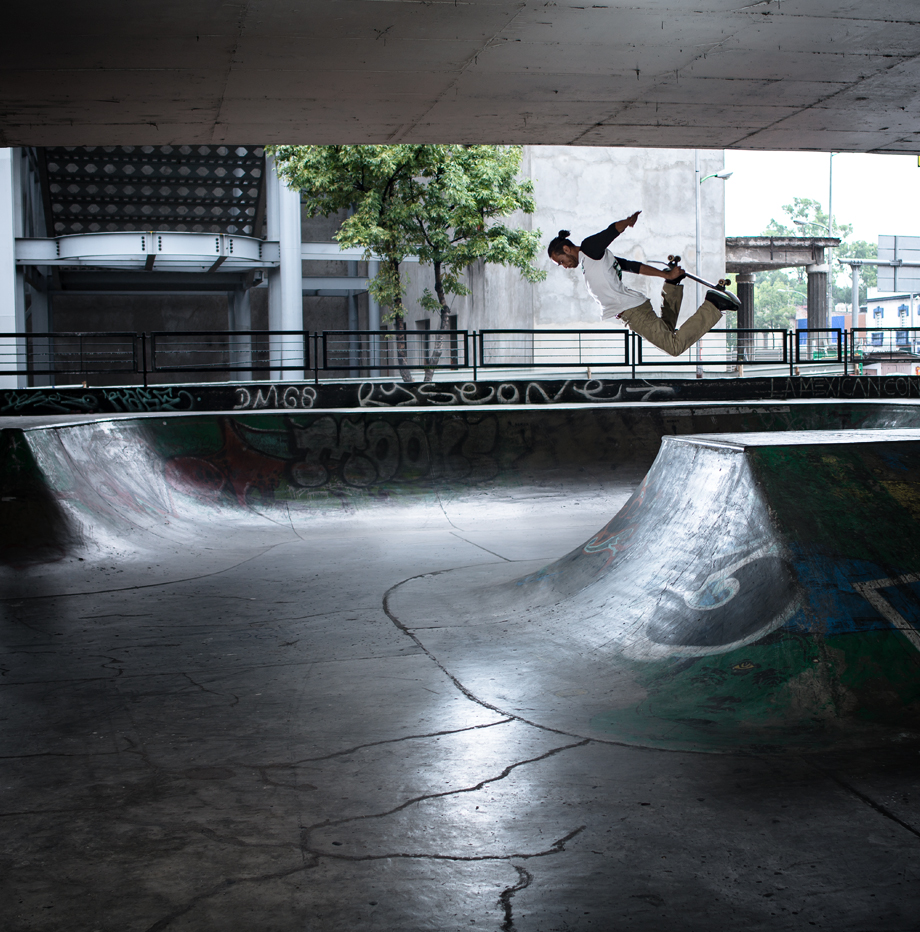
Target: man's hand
630	221
673	272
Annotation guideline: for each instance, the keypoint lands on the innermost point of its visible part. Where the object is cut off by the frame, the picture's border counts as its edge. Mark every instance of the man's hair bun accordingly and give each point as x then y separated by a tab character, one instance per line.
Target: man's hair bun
555	246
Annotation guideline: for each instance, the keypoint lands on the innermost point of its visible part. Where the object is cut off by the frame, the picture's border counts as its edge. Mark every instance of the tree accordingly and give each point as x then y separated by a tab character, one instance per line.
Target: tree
440	203
378	183
780	292
466	190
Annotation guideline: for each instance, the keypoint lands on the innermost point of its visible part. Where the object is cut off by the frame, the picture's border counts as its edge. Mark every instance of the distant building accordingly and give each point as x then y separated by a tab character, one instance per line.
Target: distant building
894	347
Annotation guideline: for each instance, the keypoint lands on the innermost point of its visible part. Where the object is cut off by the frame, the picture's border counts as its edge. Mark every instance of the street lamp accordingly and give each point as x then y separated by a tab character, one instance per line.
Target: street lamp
723	175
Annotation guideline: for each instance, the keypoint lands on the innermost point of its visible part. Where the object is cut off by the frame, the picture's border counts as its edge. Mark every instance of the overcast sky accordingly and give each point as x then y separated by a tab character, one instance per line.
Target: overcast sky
876	193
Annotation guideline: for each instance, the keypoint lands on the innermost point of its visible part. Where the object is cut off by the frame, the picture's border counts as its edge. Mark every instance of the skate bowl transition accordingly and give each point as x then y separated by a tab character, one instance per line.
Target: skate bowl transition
759	590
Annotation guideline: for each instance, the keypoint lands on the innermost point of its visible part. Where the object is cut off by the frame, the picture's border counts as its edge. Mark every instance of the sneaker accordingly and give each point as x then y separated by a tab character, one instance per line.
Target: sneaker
723	300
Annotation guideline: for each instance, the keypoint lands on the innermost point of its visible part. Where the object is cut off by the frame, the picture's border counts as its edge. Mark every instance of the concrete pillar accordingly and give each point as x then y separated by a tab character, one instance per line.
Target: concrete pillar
745	285
42	348
817	303
239	322
285	284
12	279
817	295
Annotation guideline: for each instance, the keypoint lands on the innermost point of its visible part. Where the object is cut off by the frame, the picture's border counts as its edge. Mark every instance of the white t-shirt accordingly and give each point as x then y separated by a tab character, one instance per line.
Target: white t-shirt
604	281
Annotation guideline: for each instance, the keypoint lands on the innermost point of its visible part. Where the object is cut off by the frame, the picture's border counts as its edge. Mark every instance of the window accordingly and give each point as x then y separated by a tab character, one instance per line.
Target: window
901	338
902	310
878	339
877	313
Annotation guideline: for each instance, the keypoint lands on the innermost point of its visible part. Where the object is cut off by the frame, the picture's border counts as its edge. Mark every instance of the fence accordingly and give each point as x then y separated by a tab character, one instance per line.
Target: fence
389	350
552	349
254	351
61	358
71	355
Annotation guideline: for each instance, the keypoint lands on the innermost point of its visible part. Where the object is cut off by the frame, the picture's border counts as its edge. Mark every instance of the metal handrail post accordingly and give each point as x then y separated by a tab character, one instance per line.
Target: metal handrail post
143	340
316	366
793	350
477	349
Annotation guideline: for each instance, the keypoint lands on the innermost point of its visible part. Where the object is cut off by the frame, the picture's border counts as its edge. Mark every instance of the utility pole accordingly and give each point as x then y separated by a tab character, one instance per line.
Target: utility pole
830	250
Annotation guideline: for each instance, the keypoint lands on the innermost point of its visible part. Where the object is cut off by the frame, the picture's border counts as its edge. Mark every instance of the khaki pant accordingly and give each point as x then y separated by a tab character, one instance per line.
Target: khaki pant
660	330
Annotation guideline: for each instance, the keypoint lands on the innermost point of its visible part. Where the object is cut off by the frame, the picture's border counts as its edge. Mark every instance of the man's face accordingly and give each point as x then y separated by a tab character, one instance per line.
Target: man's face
568	258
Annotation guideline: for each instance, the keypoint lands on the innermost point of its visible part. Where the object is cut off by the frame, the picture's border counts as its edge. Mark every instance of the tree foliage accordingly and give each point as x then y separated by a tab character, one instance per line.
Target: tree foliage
440	203
779	293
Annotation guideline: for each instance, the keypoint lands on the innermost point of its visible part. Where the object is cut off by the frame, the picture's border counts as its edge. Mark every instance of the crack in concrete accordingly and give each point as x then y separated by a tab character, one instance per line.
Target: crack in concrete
425	797
154	585
474	544
220	887
204	689
864	798
525	879
375	744
556	847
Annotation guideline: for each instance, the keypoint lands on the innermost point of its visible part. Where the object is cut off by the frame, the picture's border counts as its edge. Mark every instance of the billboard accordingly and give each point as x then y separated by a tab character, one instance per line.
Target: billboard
904	278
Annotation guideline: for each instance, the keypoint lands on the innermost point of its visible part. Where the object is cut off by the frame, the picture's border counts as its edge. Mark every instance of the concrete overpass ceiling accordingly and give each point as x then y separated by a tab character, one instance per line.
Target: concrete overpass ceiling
773	74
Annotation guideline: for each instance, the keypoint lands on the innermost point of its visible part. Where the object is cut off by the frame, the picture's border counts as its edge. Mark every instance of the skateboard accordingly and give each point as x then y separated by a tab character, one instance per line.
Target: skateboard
721	285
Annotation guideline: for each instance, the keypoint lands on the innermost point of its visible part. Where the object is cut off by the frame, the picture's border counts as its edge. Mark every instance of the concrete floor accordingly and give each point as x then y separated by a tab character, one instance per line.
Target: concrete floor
222	728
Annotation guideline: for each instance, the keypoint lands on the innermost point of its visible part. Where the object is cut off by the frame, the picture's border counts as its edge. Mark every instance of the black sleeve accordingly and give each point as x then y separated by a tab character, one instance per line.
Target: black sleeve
595	246
628	265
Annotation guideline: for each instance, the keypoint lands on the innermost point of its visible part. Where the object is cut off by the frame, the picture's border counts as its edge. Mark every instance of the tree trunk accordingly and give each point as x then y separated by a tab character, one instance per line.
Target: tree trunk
399	324
434	356
402	349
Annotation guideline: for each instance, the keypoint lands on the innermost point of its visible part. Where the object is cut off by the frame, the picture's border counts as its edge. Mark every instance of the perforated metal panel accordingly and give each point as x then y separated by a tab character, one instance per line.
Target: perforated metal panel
196	189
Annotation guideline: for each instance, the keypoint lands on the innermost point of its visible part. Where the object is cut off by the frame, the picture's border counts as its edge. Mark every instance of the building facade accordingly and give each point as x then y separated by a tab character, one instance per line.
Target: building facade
183	239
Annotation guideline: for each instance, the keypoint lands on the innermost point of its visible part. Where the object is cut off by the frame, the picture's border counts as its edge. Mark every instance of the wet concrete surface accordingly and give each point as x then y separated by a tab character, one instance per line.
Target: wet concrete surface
223	725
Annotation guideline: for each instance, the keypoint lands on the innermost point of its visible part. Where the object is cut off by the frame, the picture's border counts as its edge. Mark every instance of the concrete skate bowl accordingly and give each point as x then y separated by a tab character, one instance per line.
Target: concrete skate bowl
757	592
71	483
751	594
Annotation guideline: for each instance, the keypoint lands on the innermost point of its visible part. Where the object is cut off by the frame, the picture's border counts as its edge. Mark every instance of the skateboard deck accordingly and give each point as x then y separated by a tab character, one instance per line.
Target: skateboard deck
721	285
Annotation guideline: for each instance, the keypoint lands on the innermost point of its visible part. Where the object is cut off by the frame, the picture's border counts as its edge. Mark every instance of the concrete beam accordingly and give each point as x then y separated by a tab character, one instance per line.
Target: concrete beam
821	76
765	253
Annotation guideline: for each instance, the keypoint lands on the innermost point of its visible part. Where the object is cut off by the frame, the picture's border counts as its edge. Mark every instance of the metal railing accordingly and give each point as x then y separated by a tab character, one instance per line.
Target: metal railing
388	350
722	348
819	345
62	355
62	358
866	342
553	349
230	351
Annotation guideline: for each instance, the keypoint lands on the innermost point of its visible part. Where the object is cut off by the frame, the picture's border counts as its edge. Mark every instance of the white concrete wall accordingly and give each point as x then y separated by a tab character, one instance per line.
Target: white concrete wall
583	189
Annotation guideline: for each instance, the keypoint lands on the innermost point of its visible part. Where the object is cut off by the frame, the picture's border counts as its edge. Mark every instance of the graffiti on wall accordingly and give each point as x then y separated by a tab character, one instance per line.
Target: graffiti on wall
843	386
257	398
48	402
337	453
149	399
444	394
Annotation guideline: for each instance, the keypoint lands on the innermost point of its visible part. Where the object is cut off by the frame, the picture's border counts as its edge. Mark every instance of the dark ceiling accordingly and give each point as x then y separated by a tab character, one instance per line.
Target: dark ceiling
773	74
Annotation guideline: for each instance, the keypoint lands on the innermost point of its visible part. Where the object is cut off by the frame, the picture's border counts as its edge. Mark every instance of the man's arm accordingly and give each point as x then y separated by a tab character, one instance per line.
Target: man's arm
595	246
640	268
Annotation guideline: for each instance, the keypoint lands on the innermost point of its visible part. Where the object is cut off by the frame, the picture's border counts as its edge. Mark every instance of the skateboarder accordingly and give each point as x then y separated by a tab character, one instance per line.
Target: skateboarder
603	273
